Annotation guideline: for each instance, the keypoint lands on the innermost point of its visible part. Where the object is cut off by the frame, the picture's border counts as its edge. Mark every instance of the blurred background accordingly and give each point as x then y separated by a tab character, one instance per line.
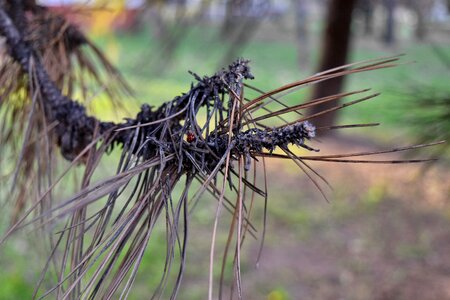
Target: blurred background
385	234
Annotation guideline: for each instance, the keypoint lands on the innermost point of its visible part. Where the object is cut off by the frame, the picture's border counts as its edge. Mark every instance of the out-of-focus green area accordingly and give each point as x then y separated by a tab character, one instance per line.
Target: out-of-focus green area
385	231
274	63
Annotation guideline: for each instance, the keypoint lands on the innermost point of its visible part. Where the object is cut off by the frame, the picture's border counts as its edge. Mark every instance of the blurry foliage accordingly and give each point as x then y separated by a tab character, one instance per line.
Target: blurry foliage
426	111
278	294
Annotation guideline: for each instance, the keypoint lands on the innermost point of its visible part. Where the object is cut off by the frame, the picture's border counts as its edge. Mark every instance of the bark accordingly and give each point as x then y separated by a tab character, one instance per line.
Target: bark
335	48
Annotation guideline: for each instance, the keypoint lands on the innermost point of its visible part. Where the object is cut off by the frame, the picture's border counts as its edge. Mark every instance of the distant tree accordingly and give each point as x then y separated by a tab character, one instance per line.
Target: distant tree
334	52
302	11
242	20
421	8
366	8
152	14
389	28
231	9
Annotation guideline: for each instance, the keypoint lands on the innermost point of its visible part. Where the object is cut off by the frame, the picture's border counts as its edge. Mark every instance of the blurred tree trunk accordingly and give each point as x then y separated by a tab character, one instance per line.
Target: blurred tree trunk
241	24
420	8
366	8
181	9
239	38
232	8
389	29
302	12
335	47
152	15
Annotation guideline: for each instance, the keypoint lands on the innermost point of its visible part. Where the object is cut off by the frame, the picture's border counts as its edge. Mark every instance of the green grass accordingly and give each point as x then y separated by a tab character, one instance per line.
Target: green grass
274	63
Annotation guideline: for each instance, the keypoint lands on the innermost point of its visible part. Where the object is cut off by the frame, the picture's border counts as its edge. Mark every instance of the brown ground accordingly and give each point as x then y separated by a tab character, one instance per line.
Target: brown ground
384	235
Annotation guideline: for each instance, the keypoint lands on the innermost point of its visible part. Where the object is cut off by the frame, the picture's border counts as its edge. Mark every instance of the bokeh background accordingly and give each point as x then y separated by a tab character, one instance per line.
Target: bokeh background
385	234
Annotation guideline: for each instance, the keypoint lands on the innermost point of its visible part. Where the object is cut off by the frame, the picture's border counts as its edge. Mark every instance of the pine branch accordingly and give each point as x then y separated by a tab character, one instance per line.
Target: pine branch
75	129
160	147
